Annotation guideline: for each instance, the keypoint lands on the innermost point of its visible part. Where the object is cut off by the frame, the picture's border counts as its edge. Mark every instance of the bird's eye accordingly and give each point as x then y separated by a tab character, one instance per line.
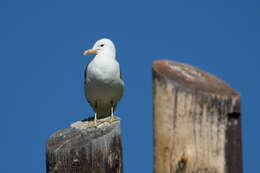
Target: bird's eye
102	45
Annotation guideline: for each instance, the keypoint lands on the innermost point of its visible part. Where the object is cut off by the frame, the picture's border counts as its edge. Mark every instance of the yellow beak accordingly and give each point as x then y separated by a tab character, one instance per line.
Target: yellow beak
90	51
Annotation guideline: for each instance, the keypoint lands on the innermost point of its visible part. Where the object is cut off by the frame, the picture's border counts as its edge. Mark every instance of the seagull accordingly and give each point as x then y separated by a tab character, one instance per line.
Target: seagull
103	84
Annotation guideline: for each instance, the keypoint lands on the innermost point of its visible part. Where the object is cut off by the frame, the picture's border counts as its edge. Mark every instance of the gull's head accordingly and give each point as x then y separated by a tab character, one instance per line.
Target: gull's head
102	46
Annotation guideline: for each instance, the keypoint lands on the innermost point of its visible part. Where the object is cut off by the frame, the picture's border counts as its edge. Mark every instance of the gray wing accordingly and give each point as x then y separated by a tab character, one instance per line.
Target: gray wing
121	74
86	74
92	104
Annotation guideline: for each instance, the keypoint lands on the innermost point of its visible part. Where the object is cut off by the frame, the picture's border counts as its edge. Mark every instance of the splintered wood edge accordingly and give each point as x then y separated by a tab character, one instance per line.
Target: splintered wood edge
193	77
90	125
82	150
63	138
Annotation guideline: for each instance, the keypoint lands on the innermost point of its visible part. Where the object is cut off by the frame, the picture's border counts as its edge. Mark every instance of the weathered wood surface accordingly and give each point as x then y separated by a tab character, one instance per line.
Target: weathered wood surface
196	121
86	149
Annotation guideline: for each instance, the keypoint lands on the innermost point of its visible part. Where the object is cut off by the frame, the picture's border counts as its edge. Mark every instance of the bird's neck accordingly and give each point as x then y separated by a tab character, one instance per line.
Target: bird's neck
107	54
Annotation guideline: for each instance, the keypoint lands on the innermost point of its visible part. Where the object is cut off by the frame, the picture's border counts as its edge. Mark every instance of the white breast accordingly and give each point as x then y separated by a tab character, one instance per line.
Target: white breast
103	81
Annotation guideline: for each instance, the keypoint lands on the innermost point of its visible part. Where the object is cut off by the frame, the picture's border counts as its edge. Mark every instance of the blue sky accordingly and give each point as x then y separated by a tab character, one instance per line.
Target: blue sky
41	68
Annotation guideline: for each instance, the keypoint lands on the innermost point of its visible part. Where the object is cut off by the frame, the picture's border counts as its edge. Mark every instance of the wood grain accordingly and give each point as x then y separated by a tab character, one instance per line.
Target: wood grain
197	122
85	149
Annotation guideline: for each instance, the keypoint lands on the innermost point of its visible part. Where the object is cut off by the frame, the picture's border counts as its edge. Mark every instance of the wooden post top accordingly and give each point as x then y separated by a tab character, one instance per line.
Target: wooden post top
193	77
195	80
85	147
84	130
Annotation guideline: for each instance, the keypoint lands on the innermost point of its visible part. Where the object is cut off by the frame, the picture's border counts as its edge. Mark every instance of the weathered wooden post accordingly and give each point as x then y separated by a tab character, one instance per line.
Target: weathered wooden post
84	148
196	121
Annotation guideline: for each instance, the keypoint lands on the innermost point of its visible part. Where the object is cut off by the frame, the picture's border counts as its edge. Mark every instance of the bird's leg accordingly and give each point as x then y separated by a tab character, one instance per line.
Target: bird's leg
112	114
95	116
112	111
95	119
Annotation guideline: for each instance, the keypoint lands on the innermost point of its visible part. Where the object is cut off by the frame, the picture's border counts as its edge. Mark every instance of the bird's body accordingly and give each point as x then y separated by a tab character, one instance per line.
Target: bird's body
103	84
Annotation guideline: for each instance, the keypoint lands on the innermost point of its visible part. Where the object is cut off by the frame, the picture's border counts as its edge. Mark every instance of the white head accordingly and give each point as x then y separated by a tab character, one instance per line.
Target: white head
104	45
